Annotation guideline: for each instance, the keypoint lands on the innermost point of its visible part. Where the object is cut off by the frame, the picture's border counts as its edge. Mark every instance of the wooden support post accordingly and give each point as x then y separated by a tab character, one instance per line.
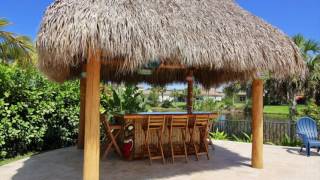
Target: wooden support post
257	124
190	92
92	122
82	107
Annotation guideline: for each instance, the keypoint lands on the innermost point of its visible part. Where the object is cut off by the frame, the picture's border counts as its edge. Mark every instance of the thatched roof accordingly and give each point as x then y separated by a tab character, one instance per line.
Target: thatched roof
216	38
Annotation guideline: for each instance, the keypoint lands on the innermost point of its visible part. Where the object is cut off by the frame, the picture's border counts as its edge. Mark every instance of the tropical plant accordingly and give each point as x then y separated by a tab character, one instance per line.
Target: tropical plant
218	135
310	50
313	111
243	138
287	141
232	89
167	104
153	98
123	99
14	48
35	114
208	104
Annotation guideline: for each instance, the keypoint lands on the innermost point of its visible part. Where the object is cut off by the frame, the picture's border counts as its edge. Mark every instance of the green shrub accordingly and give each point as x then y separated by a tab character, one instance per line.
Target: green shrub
217	135
243	138
35	114
287	141
167	104
313	111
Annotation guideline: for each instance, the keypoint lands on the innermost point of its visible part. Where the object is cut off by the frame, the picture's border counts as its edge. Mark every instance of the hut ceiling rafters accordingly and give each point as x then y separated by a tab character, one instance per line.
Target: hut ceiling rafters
217	39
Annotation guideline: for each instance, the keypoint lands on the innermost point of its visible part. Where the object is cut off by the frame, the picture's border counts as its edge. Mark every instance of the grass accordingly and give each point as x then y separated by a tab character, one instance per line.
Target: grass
9	160
281	109
180	105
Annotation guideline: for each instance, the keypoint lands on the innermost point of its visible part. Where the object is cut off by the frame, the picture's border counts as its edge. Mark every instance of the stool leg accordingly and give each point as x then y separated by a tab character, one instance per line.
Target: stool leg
194	145
171	145
206	142
160	145
148	147
184	133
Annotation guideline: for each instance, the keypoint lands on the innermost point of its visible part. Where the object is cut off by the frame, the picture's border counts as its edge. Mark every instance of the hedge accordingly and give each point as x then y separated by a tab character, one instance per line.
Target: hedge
35	114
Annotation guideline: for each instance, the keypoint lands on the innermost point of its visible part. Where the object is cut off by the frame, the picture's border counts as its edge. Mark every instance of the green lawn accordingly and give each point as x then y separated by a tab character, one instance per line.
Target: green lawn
281	109
179	104
7	161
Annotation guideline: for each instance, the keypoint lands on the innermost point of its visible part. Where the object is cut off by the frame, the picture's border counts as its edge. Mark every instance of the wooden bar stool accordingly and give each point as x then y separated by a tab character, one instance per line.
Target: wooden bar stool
179	122
112	132
155	124
201	124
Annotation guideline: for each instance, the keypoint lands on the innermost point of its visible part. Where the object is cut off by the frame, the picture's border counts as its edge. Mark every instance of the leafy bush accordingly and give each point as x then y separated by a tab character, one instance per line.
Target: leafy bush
153	98
243	138
35	114
167	104
219	135
122	99
287	141
313	111
209	105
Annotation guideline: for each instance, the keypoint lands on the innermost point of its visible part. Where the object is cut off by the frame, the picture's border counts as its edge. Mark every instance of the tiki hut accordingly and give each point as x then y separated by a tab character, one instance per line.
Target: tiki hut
215	41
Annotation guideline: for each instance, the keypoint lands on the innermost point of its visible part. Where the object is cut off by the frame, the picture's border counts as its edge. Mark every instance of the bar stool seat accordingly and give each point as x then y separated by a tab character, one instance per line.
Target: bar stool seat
154	124
179	122
112	133
201	124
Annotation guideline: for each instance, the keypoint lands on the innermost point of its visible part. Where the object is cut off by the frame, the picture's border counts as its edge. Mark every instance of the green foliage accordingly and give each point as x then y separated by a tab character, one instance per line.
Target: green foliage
243	138
14	48
218	135
289	142
209	105
153	98
123	99
167	104
313	111
35	114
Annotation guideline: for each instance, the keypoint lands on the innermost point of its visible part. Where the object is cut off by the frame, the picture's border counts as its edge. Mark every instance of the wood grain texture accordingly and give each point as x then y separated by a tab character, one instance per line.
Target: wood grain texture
137	120
92	122
257	124
82	109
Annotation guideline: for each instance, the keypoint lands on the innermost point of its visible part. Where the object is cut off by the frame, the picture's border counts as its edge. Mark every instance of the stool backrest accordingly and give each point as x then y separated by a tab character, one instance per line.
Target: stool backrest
156	121
179	121
105	122
201	121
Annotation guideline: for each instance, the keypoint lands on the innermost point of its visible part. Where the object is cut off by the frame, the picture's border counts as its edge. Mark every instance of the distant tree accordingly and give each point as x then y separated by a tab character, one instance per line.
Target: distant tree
232	89
14	48
153	97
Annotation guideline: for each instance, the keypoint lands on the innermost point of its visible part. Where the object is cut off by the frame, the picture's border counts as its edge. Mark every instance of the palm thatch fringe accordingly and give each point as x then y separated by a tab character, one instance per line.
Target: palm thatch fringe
216	38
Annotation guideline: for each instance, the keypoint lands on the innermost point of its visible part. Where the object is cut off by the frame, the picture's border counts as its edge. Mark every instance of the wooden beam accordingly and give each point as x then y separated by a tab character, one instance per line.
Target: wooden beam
190	92
92	122
82	107
257	124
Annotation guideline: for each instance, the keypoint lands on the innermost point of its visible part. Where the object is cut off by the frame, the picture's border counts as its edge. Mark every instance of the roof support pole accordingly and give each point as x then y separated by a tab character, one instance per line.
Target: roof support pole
190	92
82	107
92	121
257	124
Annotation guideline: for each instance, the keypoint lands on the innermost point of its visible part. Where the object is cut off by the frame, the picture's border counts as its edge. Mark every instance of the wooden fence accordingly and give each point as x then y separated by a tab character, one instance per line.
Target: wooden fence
273	131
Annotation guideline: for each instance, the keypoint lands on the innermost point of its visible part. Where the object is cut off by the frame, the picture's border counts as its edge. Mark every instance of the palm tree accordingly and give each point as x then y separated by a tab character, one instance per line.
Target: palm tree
14	48
310	50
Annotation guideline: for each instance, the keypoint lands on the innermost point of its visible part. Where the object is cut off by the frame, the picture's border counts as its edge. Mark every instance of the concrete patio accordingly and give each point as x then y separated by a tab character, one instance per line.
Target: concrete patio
229	160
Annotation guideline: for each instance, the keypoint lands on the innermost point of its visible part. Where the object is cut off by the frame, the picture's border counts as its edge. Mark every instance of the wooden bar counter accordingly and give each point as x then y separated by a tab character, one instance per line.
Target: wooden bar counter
132	124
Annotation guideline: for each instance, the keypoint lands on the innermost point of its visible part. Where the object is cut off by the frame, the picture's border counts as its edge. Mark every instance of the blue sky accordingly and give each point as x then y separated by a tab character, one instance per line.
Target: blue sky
291	16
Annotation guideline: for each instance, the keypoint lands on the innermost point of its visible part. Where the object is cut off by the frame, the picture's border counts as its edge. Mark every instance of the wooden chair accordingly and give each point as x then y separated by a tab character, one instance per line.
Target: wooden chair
200	123
112	132
155	124
179	122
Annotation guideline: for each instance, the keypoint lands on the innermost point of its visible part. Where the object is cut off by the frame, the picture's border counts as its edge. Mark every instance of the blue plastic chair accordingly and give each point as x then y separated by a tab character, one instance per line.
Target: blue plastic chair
307	131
